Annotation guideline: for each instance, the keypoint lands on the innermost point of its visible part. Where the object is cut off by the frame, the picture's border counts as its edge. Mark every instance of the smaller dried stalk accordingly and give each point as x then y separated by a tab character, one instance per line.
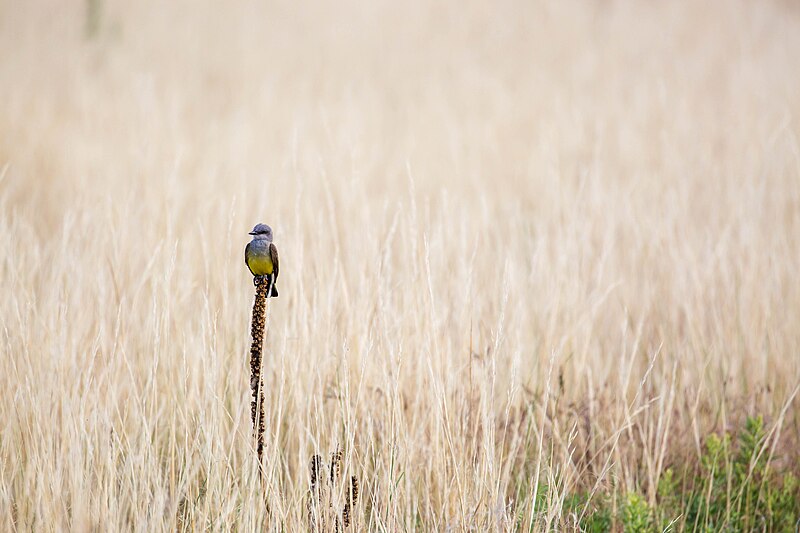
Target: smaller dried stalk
320	506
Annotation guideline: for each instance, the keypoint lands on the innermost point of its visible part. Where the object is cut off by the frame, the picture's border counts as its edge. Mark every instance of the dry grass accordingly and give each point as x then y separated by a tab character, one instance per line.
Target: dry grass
519	241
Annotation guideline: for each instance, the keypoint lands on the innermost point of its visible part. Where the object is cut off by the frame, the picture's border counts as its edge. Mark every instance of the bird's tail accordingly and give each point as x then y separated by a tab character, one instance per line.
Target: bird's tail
274	292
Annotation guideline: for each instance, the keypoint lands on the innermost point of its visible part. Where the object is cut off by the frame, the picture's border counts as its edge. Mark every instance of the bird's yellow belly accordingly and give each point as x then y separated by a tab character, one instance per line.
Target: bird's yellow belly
260	266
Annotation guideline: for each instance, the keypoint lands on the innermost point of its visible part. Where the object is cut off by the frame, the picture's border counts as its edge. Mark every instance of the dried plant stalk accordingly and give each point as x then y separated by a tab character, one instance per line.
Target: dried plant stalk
256	381
336	466
323	509
317	498
352	499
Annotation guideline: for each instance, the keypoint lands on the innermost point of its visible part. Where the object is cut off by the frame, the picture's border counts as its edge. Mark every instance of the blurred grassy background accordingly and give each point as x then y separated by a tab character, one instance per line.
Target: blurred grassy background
468	198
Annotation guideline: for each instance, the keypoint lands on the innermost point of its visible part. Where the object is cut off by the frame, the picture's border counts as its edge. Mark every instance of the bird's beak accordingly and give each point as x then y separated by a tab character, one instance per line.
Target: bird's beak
252	233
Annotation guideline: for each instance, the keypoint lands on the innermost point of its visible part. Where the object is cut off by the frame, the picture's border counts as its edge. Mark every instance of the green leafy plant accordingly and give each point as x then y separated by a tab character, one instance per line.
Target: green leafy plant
734	487
637	517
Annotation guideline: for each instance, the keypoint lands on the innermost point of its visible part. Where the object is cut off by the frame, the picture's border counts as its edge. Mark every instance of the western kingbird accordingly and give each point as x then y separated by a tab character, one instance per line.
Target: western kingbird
261	257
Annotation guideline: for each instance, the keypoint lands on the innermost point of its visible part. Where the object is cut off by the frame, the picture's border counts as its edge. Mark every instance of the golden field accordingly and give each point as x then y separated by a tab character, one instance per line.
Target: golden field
528	250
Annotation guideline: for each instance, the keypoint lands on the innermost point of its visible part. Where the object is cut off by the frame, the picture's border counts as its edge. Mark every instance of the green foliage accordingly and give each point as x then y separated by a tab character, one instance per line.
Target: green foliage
636	514
783	504
734	488
668	510
595	516
709	503
598	521
750	474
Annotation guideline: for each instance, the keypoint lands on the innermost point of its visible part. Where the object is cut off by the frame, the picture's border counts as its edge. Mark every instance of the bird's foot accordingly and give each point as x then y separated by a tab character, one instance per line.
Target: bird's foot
257	280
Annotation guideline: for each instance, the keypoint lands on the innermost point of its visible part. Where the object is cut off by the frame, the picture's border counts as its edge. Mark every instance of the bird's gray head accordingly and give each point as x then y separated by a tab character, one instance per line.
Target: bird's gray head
262	231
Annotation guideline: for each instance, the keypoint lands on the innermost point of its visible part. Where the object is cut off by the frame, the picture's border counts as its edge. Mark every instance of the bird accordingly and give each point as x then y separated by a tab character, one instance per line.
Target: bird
261	257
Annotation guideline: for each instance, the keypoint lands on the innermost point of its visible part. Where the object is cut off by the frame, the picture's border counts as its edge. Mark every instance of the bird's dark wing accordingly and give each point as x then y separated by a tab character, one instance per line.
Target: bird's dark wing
246	252
273	254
